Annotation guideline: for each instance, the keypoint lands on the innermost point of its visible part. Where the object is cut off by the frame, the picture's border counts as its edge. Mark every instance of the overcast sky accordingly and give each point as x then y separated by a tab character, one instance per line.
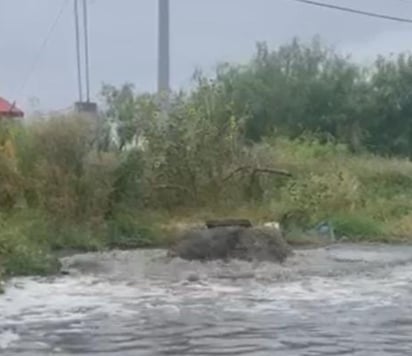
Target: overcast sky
203	33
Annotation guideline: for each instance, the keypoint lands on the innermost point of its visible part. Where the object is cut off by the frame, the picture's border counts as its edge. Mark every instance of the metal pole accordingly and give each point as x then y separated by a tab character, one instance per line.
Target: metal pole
86	49
78	55
163	84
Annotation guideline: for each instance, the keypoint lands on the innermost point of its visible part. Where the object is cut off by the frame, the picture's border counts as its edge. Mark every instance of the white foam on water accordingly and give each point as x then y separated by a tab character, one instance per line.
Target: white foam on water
67	299
362	292
73	298
7	338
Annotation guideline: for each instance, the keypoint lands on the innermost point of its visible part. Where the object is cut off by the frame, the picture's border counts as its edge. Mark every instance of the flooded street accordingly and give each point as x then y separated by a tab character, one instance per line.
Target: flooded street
342	300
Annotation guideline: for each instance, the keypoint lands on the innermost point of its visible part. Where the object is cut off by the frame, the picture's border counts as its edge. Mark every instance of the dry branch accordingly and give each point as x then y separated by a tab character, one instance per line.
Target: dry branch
254	171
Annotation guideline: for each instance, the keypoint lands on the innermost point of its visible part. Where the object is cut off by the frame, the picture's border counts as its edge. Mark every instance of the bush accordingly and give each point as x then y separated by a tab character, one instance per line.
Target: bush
24	251
126	231
287	137
358	226
76	237
317	196
66	176
58	190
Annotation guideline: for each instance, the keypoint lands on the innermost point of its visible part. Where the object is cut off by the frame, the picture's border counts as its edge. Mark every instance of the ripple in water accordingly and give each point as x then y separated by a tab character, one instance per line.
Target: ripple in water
93	315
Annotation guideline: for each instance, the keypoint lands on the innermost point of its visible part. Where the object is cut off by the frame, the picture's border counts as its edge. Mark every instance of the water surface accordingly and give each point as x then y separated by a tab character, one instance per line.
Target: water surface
345	300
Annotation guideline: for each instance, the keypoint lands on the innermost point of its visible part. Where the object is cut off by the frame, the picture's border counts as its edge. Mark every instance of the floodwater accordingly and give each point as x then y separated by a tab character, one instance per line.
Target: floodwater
341	300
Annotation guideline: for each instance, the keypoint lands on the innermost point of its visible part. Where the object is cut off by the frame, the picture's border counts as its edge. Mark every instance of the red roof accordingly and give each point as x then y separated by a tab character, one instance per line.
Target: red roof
8	109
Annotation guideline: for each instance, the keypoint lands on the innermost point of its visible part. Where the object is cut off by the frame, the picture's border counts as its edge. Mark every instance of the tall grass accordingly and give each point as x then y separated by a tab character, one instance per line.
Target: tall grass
60	190
236	145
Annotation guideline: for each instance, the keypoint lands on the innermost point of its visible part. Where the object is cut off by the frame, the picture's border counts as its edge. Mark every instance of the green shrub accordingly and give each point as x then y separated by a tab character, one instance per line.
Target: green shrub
127	185
125	231
319	195
26	258
357	226
21	253
74	237
301	108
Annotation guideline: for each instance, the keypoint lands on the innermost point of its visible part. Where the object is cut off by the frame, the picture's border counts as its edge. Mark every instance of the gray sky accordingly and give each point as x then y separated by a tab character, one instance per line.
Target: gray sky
203	33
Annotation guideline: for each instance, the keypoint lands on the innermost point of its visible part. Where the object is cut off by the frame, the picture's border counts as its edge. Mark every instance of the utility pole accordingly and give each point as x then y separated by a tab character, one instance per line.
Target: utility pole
86	49
163	84
83	107
78	54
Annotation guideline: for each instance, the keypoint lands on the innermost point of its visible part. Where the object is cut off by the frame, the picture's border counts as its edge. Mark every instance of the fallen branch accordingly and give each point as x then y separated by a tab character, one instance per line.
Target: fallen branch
280	172
254	171
172	187
212	224
237	170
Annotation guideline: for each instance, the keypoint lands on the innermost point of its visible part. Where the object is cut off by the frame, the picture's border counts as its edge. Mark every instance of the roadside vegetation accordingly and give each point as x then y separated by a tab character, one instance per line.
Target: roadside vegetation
299	135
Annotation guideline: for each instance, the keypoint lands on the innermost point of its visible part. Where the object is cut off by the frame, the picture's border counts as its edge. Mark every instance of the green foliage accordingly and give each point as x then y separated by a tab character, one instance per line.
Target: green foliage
357	226
66	183
318	195
309	88
390	129
298	88
22	250
121	108
68	236
126	231
189	157
127	111
58	191
127	186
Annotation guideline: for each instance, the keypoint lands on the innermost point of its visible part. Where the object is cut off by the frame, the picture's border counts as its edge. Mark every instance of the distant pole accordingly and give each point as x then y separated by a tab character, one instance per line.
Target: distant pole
78	54
86	49
163	84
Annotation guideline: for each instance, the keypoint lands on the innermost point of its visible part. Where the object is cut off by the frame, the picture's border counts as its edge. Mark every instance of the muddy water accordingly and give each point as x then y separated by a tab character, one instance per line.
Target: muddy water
344	300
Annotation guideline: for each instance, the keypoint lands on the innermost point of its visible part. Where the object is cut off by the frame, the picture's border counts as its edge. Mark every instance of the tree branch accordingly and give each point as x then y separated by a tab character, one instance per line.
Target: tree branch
280	172
255	171
172	187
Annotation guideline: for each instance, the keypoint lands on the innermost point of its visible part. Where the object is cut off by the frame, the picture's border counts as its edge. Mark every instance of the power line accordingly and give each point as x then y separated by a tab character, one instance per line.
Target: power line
42	47
355	11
